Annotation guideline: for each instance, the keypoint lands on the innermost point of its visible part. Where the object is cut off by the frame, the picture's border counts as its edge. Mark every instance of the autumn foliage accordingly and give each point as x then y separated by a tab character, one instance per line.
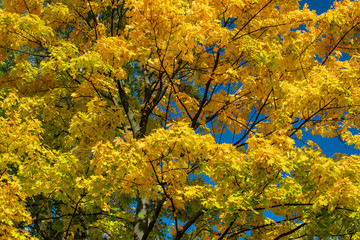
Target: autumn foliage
174	119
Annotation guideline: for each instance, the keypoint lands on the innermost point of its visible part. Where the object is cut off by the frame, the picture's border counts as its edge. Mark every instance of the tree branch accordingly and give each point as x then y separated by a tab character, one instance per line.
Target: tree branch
290	232
129	113
179	234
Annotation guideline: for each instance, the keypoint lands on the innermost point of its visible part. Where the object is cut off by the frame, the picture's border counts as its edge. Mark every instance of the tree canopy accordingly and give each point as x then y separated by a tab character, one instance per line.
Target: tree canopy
177	119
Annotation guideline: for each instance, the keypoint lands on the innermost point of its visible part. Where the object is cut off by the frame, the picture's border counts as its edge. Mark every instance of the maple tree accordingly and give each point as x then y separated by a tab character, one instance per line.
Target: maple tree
112	114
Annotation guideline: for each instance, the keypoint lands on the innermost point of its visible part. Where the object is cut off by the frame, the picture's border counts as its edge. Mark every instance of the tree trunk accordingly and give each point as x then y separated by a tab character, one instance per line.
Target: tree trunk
141	219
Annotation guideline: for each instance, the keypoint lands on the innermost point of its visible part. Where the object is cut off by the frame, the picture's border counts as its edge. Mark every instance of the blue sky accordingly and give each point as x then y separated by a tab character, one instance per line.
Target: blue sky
320	6
333	145
330	146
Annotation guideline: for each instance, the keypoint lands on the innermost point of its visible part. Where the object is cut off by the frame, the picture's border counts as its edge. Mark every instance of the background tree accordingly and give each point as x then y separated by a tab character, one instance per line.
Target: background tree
112	114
